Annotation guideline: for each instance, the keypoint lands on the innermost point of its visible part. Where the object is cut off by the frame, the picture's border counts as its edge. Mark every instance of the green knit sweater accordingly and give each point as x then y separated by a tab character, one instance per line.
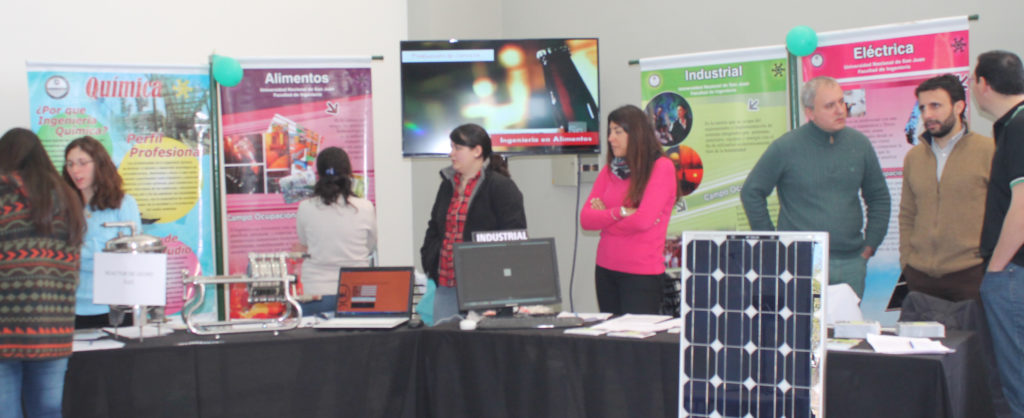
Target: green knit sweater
820	183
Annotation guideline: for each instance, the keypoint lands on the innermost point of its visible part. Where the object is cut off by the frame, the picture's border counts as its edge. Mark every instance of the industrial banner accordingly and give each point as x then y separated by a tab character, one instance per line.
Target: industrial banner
714	113
155	123
273	124
879	68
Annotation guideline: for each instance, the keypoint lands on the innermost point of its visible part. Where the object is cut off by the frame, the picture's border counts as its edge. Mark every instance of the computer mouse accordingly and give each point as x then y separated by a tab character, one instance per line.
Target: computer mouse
414	323
467	325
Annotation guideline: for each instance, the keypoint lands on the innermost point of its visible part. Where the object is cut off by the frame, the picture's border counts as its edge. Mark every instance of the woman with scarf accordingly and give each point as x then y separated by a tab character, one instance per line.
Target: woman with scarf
631	204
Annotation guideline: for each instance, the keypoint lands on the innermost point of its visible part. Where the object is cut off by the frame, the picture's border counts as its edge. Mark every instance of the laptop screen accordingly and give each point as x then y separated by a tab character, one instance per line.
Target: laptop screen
500	274
374	291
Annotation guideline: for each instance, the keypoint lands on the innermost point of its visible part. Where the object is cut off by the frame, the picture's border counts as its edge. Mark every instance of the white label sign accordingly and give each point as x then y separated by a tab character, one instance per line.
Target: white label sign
130	279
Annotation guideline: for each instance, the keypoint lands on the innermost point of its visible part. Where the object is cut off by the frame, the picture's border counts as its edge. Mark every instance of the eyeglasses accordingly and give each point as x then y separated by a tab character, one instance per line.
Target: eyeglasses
80	163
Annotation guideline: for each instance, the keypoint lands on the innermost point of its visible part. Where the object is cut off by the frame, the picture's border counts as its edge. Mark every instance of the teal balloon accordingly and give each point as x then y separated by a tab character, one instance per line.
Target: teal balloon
227	71
801	41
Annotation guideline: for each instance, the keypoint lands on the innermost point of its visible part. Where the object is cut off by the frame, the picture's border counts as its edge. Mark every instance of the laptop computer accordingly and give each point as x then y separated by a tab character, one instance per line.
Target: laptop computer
899	293
371	297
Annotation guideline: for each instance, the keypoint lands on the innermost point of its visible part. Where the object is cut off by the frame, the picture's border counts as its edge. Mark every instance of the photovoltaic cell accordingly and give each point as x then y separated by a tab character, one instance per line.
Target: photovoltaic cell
752	344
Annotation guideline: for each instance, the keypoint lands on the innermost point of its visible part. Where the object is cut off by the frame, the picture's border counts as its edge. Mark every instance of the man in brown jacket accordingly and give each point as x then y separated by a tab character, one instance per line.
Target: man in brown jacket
945	178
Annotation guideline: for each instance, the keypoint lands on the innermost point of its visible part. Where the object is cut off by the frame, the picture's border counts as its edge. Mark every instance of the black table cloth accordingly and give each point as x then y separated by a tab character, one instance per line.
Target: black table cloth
445	372
299	373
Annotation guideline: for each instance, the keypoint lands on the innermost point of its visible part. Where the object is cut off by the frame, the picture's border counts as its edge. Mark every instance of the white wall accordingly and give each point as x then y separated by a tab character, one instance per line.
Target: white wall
648	28
187	31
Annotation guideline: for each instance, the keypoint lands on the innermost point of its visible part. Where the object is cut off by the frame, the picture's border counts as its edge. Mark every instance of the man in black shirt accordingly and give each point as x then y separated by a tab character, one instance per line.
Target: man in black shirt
998	87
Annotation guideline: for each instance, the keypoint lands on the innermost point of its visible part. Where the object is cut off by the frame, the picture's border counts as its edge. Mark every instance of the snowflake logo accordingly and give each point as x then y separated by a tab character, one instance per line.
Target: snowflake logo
959	45
182	89
778	70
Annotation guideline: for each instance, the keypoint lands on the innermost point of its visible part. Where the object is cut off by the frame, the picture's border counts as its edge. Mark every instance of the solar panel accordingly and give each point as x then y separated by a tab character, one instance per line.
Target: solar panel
752	342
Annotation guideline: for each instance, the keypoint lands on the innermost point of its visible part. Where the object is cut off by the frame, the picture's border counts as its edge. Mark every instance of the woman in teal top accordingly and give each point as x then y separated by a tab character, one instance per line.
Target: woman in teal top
89	169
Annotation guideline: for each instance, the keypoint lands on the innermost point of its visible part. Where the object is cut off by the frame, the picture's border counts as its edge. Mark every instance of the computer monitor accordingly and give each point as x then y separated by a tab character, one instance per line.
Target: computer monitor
492	275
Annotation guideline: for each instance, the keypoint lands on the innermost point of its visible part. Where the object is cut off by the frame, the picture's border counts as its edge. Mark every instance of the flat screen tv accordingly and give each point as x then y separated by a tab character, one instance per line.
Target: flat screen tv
533	96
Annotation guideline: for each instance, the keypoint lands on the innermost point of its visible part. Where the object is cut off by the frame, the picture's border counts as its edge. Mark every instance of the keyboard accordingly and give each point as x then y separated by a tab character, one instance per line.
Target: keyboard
360	323
525	322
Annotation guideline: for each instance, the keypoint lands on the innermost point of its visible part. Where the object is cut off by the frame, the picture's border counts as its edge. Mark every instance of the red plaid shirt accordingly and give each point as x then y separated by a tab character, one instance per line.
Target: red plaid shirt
455	222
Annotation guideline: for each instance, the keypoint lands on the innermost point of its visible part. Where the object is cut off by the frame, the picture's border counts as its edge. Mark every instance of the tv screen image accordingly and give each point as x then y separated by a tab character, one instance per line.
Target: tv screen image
533	96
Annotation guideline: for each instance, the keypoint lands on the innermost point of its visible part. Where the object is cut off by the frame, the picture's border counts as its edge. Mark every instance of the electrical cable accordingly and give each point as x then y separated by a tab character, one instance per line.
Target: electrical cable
576	235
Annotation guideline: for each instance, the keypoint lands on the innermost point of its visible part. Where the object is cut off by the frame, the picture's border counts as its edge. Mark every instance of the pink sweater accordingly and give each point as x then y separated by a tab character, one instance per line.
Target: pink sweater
634	244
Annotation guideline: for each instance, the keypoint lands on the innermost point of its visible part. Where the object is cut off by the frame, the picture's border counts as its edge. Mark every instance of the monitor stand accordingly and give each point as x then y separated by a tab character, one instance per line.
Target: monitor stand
507	311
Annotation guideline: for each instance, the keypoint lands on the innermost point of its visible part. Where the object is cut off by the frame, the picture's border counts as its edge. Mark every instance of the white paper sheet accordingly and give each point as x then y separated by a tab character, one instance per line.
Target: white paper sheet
890	344
586	316
90	345
843	304
89	334
633	322
130	279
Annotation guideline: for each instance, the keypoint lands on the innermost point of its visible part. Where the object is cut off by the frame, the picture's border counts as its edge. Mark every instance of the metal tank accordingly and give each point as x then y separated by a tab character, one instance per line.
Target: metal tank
134	243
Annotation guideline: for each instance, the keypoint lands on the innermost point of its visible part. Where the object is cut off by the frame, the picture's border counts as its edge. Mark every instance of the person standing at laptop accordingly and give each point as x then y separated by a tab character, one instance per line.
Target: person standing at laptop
631	204
476	194
336	227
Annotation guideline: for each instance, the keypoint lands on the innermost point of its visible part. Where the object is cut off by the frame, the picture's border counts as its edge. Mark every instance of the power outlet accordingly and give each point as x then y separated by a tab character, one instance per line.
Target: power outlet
565	167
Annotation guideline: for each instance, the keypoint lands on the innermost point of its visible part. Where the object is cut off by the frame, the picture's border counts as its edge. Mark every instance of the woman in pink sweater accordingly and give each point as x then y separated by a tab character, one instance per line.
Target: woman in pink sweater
631	204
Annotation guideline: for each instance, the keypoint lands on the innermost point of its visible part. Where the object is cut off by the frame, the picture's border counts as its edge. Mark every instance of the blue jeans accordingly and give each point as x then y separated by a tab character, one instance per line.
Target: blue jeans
36	386
849	270
1002	294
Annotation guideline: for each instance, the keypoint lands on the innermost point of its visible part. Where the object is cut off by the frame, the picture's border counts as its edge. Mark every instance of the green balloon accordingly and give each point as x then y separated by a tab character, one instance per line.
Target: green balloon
801	41
227	71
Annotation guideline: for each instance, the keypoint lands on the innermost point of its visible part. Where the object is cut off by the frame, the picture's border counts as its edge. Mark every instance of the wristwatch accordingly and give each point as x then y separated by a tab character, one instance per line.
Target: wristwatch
622	211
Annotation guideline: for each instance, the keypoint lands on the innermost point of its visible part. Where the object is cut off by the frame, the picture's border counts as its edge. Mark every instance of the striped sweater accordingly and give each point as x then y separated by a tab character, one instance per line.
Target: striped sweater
38	276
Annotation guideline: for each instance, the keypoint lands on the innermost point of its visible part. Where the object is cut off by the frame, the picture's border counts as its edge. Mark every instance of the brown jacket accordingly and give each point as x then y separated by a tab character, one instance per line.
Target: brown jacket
940	222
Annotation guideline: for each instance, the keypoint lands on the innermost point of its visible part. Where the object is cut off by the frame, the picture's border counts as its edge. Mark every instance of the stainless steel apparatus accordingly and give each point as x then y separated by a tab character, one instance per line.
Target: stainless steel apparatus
134	243
268	280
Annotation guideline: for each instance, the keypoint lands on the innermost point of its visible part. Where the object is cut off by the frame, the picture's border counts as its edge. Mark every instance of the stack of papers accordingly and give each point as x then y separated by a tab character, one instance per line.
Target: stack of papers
626	326
591	331
586	316
841	344
90	345
631	334
640	323
889	344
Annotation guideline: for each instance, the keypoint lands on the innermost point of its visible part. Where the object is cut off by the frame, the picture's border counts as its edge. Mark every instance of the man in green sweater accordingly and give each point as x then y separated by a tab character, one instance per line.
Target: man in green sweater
821	170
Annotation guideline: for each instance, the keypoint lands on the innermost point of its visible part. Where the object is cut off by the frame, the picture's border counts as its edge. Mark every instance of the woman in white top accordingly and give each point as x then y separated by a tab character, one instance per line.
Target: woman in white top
337	229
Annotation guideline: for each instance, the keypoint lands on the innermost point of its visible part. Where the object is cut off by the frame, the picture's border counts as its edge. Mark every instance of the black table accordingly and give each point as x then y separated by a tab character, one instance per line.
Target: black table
444	372
860	384
532	373
546	373
299	373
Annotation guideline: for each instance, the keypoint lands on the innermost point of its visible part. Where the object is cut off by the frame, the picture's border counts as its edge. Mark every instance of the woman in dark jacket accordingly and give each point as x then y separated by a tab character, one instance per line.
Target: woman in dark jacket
476	194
